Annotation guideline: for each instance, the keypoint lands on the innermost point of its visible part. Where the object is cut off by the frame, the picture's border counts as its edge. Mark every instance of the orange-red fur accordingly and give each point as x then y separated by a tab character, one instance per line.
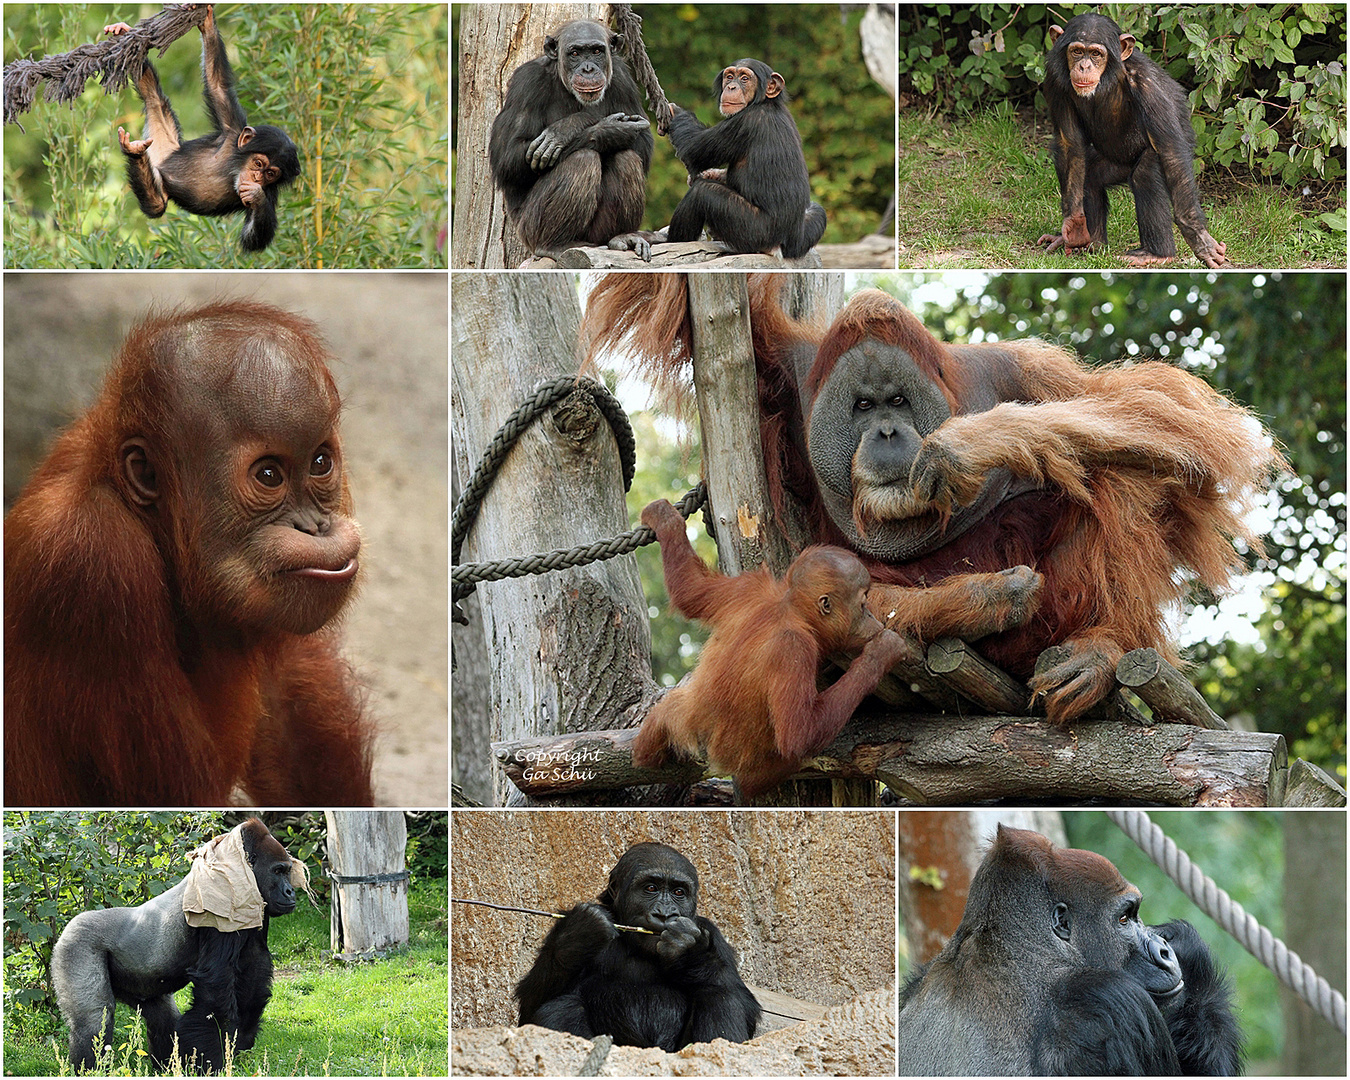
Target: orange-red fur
1144	474
752	703
113	696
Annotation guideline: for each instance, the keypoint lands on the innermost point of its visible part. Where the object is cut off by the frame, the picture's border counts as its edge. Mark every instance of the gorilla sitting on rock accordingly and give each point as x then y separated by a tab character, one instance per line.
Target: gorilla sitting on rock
141	955
675	985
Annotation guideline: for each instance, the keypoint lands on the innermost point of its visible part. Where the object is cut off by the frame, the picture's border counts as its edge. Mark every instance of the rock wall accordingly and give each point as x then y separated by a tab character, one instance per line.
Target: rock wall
854	1039
806	898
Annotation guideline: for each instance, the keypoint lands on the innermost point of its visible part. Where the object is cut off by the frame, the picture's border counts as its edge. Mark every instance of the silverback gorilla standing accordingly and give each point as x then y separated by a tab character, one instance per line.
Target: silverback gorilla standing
571	147
141	955
675	986
1051	973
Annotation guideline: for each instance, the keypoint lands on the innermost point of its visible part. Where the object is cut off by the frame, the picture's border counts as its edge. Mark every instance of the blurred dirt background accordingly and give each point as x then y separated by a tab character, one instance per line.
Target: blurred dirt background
389	337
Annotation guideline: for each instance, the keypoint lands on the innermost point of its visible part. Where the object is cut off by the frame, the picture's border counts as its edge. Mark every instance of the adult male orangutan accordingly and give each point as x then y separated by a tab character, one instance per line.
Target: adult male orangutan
1116	484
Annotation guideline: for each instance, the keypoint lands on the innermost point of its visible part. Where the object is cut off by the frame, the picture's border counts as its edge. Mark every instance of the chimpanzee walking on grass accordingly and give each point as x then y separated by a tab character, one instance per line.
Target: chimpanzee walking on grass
1120	119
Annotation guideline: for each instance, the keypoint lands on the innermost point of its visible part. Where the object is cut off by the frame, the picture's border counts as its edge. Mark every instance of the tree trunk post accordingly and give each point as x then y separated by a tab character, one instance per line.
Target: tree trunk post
570	649
728	411
366	851
494	40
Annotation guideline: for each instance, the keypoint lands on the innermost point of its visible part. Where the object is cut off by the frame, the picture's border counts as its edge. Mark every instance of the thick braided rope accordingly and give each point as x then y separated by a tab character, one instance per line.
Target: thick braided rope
114	60
464	576
544	398
1228	913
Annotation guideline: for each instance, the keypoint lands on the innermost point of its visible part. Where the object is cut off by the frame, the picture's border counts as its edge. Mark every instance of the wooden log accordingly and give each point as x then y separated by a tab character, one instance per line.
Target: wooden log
370	880
1311	785
965	670
739	505
872	252
951	761
1165	690
584	761
706	255
910	682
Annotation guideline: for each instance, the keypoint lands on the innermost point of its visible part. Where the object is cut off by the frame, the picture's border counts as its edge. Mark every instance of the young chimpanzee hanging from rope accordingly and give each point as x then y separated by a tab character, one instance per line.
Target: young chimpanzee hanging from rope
237	167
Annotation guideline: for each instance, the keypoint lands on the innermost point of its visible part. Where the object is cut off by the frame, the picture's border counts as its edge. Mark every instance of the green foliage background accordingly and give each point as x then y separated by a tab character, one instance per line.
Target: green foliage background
385	1018
846	121
362	89
1267	83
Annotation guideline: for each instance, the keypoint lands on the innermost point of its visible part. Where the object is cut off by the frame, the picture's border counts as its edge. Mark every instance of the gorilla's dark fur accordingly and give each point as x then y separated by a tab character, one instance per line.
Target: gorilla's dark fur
674	986
141	955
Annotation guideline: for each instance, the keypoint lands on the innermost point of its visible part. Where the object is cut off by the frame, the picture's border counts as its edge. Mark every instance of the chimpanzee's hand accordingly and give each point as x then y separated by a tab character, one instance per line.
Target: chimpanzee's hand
679	937
633	123
546	150
634	242
249	191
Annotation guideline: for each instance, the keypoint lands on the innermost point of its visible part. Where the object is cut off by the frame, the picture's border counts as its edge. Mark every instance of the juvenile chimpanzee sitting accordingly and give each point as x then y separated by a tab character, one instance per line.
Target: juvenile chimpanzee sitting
571	147
675	986
748	184
1119	118
1052	973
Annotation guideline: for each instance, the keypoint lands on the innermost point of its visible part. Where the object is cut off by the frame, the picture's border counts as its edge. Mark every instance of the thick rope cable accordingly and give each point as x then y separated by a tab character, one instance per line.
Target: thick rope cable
629	27
114	60
1228	913
464	576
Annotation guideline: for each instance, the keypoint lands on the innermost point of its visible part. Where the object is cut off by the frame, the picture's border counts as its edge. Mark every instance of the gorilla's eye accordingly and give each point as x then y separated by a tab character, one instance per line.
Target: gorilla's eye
898	400
863	404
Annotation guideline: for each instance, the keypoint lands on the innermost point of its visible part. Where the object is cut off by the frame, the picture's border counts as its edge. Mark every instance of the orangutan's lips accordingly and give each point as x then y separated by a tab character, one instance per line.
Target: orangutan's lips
343	573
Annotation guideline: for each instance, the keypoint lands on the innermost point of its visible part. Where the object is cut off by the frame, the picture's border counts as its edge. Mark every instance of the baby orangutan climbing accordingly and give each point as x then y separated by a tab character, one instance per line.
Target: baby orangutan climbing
752	703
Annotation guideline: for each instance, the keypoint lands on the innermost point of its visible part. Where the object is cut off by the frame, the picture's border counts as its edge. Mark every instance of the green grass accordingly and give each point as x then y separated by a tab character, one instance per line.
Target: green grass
977	192
384	1017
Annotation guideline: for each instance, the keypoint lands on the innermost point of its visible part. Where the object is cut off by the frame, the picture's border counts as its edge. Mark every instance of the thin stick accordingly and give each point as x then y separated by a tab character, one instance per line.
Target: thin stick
546	914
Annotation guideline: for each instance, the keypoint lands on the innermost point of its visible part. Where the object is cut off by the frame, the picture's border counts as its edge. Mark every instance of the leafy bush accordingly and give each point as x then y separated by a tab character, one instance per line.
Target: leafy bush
1267	83
60	863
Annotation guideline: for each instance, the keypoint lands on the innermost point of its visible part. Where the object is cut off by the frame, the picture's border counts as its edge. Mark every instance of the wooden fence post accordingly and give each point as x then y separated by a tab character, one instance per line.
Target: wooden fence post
370	880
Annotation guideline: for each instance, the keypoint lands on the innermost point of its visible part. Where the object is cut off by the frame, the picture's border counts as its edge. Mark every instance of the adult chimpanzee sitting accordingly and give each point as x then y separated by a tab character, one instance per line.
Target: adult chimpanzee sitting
1119	118
571	147
675	986
141	955
748	184
1051	973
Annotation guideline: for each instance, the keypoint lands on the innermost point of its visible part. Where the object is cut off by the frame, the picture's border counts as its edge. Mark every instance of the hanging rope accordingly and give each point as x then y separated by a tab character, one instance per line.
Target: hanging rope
1228	913
115	59
463	576
629	26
